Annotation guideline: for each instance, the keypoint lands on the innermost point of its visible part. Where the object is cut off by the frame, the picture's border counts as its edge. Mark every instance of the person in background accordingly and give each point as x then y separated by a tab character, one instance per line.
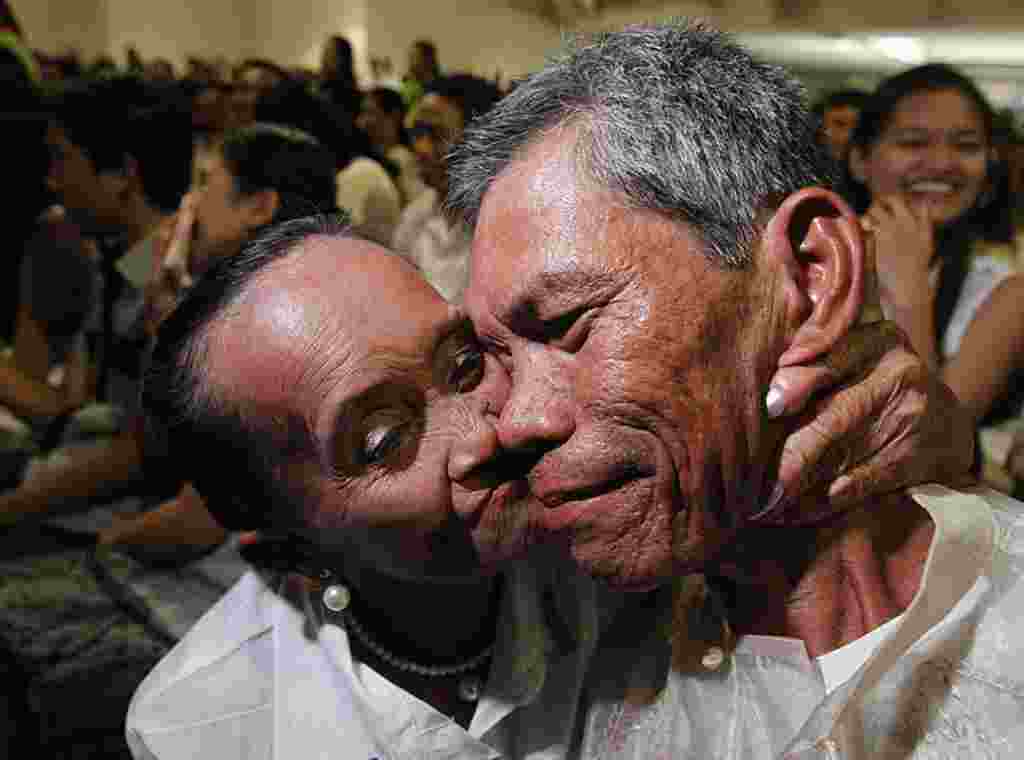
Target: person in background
44	361
154	572
255	176
365	180
920	171
382	118
120	162
252	80
423	69
438	246
839	112
337	81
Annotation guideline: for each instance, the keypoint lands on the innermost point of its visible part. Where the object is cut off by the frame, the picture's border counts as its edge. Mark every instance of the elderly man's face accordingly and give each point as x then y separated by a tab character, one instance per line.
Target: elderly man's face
392	384
634	364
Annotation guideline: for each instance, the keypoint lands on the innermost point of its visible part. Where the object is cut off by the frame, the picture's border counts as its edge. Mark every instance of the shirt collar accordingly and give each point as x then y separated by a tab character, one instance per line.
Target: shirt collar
952	582
546	614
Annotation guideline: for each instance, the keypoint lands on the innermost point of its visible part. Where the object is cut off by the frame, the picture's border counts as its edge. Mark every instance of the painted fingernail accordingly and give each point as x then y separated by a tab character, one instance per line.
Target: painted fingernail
774	402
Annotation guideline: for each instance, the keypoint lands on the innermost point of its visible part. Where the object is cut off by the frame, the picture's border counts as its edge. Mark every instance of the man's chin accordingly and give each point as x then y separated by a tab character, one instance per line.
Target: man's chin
635	572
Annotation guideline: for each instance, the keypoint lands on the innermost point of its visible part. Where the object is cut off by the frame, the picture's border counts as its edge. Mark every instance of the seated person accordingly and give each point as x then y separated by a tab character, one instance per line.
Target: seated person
433	242
356	414
256	175
382	118
76	621
365	182
120	156
920	169
838	112
45	374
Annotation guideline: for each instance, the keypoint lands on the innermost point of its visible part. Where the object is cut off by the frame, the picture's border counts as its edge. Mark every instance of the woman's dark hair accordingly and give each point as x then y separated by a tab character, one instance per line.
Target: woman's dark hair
111	120
284	159
878	110
344	61
429	52
391	103
990	219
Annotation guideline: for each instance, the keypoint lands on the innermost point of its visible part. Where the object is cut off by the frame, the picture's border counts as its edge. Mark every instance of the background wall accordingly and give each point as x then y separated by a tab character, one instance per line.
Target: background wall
512	37
59	25
471	35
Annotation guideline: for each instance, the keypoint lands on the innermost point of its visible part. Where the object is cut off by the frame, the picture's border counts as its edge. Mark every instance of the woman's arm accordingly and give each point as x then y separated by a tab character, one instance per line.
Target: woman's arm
23	385
992	347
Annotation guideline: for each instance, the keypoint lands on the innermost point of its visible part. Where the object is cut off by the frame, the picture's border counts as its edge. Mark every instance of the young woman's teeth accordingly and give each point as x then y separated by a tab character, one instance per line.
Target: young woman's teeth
931	187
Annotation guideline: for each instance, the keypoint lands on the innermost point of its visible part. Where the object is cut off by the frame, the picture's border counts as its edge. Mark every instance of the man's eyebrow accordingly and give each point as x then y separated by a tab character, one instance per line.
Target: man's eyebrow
562	290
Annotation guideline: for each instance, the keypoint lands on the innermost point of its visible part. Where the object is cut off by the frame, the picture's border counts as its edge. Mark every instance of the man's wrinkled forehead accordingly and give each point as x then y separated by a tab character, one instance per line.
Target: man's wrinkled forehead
547	179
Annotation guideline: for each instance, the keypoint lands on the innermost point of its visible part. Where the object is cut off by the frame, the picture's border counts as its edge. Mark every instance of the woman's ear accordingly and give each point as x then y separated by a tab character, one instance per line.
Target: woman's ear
815	242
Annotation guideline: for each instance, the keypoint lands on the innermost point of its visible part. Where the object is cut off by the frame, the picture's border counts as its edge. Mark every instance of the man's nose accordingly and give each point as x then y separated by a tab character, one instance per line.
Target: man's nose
539	413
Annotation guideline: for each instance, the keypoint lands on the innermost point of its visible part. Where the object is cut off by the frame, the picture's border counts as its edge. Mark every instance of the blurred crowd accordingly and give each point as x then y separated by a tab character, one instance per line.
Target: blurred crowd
128	183
130	180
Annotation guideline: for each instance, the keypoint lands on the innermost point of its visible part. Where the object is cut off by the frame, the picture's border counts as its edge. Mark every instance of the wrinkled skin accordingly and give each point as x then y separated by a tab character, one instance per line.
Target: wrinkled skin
397	402
638	384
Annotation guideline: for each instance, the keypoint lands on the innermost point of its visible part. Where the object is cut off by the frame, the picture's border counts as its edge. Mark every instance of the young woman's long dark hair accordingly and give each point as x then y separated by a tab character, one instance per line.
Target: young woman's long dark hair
989	219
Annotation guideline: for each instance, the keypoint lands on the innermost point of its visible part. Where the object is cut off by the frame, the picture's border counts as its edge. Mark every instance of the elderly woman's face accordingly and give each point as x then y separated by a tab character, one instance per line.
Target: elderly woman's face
400	399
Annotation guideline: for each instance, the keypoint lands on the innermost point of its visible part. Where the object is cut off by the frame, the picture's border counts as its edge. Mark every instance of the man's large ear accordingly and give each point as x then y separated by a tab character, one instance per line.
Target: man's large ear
815	243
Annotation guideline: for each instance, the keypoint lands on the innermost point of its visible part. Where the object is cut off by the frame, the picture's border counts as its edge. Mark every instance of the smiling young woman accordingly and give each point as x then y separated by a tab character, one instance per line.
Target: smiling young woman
921	171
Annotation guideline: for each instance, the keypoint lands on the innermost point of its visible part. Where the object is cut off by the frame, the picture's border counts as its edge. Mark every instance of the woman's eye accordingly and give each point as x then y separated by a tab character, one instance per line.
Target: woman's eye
467	370
381	443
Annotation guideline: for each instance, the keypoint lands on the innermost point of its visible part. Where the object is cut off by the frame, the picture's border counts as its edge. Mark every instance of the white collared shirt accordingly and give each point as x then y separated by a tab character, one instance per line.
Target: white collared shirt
247	682
439	248
944	680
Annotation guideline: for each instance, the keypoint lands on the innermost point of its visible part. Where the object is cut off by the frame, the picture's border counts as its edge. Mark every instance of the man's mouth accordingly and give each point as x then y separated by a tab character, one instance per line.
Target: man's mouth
556	499
566	508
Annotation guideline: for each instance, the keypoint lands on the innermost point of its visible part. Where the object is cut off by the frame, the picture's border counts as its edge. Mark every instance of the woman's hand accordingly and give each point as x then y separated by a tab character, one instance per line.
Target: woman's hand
904	236
869	419
170	276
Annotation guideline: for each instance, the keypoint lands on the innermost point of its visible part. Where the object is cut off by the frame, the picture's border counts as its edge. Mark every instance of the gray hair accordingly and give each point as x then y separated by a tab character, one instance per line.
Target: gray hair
676	118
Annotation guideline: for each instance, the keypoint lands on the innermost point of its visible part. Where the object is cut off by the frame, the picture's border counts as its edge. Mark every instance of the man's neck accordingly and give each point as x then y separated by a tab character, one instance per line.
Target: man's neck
836	583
